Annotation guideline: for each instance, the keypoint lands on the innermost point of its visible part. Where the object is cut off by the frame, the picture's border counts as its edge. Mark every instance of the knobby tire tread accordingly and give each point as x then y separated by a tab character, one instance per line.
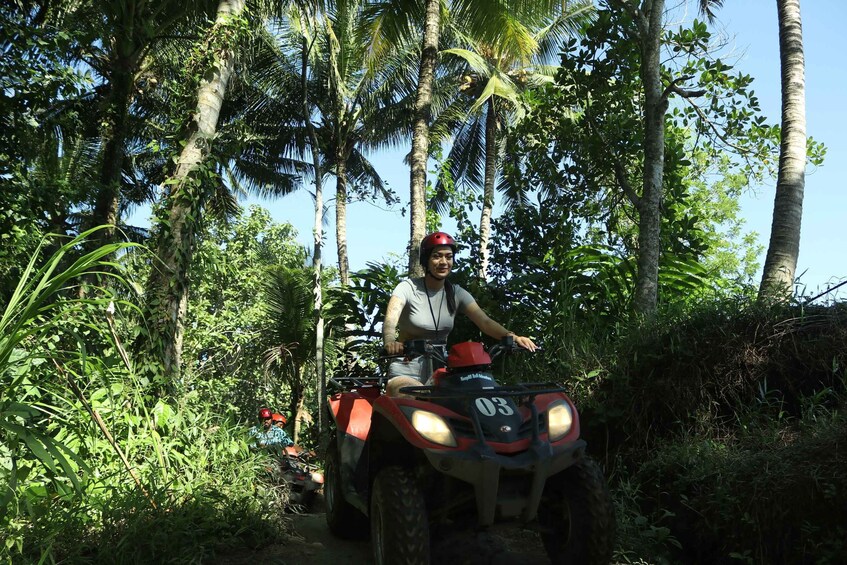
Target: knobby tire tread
400	504
343	519
592	514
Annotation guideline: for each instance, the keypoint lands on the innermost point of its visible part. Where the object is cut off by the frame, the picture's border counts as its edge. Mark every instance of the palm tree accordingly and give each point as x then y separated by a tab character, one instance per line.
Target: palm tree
420	132
362	103
167	287
495	79
308	20
291	333
168	281
249	152
784	247
399	22
125	31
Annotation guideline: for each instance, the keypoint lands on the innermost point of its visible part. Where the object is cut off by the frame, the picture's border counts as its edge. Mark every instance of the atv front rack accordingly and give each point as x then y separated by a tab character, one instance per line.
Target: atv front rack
345	384
518	390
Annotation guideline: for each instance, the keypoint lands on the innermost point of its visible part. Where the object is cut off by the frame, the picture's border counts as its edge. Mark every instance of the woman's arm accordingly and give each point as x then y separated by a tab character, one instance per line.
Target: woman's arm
389	326
489	327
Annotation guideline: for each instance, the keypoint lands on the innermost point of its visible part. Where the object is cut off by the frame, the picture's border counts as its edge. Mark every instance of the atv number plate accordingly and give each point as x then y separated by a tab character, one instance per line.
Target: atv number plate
493	406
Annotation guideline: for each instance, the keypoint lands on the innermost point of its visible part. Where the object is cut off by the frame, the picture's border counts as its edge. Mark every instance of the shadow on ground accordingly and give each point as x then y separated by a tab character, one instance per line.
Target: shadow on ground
313	544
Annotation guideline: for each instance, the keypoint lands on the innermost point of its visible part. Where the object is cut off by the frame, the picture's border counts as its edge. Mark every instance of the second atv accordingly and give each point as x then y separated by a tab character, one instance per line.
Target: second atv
463	452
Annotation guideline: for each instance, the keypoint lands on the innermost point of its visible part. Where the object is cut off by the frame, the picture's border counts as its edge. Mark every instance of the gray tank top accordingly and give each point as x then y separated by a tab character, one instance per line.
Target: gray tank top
425	314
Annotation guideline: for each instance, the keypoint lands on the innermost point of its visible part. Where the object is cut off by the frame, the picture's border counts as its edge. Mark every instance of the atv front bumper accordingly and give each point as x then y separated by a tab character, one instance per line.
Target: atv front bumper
483	469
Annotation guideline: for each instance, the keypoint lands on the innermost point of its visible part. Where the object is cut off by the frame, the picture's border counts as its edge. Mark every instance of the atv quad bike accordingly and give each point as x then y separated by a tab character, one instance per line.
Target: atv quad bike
463	451
299	470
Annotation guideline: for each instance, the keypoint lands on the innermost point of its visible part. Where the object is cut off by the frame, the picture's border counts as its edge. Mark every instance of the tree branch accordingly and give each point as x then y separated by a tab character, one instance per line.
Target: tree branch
713	127
623	182
674	87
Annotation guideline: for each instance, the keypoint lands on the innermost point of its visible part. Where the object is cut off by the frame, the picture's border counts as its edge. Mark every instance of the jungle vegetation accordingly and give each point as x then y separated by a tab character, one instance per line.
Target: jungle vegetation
133	359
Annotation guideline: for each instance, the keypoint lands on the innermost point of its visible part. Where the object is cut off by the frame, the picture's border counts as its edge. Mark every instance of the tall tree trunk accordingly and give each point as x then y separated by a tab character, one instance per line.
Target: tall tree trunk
317	233
341	215
420	133
649	23
488	187
297	403
784	246
167	288
123	64
342	152
107	201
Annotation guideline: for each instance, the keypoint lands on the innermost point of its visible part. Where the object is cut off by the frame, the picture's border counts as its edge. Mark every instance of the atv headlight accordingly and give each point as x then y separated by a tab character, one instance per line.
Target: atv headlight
559	420
433	427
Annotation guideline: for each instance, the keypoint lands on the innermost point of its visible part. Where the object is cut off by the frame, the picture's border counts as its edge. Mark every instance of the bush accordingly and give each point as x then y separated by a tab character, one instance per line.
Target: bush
721	425
766	499
93	469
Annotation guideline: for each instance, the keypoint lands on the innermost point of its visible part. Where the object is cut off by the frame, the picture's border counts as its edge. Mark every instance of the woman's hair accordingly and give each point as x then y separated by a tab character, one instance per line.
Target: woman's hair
451	297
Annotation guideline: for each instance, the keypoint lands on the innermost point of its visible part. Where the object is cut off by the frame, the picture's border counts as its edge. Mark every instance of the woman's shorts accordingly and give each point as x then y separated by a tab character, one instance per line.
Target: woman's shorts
412	368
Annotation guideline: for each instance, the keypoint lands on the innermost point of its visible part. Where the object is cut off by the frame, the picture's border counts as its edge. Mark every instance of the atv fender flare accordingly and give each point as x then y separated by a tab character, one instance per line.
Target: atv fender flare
352	414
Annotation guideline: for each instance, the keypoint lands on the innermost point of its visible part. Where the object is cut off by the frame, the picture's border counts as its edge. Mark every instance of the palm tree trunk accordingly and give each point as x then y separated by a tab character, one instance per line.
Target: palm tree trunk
645	300
297	402
167	288
488	187
341	215
784	246
420	133
107	201
122	67
317	232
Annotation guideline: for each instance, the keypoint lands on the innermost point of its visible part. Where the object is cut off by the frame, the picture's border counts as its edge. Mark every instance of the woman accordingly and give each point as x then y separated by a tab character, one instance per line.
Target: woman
424	308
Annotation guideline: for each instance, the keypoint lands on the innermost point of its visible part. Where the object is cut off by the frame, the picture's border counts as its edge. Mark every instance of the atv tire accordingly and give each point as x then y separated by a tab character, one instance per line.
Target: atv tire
577	516
399	523
344	520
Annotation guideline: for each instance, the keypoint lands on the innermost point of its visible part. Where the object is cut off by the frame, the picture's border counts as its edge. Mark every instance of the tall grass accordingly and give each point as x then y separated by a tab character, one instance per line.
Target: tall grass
91	468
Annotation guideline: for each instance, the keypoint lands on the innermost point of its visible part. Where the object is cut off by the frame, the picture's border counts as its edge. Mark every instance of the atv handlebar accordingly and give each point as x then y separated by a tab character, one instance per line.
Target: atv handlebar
438	350
507	345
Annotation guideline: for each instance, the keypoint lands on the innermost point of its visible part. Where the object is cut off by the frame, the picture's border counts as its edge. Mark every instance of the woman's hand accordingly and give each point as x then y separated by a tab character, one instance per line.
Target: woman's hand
393	348
525	342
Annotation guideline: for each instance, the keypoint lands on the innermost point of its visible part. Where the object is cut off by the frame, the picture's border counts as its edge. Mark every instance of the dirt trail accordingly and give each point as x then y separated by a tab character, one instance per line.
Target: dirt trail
313	544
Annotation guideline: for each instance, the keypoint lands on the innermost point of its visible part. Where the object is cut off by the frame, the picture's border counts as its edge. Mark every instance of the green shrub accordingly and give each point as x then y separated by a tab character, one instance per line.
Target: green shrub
766	498
92	469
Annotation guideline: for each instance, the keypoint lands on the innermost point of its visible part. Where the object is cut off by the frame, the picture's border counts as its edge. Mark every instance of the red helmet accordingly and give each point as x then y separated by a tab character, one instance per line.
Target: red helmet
279	418
264	413
468	354
432	241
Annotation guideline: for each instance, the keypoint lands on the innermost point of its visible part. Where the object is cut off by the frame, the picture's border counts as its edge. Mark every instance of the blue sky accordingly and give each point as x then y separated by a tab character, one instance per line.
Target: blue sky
751	27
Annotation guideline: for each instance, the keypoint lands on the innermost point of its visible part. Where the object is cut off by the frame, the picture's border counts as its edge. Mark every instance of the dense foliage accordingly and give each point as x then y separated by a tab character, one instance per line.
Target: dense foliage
719	420
89	463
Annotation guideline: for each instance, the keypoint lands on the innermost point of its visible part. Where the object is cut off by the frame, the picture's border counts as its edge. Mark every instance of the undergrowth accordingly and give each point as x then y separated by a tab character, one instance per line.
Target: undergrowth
93	468
721	427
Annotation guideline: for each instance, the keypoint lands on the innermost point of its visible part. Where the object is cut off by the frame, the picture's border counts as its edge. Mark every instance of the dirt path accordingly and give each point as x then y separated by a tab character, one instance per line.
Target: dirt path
310	544
313	544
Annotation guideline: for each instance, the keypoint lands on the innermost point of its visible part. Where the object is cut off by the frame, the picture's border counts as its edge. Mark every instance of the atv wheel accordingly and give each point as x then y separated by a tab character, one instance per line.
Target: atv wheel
399	524
577	516
344	519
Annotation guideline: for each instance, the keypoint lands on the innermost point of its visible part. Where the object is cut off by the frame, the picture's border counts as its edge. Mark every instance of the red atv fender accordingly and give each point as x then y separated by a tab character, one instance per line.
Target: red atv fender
352	414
